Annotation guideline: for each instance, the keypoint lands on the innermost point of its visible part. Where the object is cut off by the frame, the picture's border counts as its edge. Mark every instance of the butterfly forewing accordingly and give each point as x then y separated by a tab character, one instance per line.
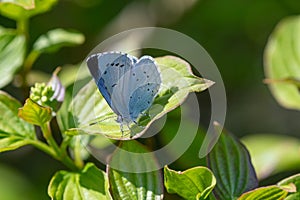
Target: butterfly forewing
107	69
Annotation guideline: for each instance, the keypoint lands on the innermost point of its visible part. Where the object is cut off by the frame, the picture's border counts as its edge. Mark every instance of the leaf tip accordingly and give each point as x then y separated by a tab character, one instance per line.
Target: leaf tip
209	83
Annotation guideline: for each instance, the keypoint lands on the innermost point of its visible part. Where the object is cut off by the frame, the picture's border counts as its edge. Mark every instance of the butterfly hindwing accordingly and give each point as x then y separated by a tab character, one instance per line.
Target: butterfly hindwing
143	86
141	99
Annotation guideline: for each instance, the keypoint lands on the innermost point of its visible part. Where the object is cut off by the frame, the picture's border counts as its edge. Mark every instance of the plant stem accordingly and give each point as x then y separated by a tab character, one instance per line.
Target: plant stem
60	155
77	153
43	147
22	28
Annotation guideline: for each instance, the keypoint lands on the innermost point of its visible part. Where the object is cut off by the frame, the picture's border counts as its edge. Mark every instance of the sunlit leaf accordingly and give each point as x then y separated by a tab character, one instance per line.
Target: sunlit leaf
133	174
282	62
231	164
295	179
34	113
12	52
95	116
263	193
294	196
272	153
14	132
18	9
88	184
194	183
64	117
55	39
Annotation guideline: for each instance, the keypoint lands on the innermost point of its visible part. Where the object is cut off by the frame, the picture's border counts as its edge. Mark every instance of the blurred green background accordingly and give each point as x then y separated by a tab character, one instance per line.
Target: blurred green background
233	32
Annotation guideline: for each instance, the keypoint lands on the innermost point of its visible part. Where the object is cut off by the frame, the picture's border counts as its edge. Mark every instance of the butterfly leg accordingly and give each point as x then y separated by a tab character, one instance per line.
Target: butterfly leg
120	121
121	127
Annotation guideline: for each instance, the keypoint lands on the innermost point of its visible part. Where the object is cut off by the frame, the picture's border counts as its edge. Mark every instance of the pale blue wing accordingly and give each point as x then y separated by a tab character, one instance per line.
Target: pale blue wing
143	86
127	84
141	99
107	69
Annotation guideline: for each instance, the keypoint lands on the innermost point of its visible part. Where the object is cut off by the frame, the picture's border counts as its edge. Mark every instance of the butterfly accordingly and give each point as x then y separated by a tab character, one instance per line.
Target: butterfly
129	85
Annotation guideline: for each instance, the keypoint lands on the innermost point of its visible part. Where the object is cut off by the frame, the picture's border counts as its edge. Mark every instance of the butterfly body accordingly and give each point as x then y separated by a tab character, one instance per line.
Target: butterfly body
129	85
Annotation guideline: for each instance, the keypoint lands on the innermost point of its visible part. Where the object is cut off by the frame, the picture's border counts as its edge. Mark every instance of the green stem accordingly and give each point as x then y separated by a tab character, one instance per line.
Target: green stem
43	147
49	138
31	58
22	28
60	155
77	154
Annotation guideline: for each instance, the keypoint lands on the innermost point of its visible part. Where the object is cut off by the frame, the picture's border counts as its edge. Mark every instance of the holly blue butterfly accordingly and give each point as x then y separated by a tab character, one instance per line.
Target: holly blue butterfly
129	85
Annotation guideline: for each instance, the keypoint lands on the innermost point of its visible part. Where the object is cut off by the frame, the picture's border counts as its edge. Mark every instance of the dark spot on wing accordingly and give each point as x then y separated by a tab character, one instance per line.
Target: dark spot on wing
133	74
105	72
122	65
117	64
113	85
112	64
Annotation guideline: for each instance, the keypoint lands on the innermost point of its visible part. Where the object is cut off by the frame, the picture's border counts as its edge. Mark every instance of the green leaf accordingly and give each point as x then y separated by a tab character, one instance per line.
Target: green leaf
34	113
272	153
133	174
18	9
195	182
295	179
94	115
55	39
12	53
14	132
231	164
282	62
88	184
270	193
64	117
294	196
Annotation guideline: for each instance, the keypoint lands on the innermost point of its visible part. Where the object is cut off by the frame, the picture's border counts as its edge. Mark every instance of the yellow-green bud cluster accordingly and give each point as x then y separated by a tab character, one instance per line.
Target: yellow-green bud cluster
41	94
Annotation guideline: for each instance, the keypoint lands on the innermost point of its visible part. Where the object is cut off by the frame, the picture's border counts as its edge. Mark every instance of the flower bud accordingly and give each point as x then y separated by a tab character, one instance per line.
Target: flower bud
49	95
